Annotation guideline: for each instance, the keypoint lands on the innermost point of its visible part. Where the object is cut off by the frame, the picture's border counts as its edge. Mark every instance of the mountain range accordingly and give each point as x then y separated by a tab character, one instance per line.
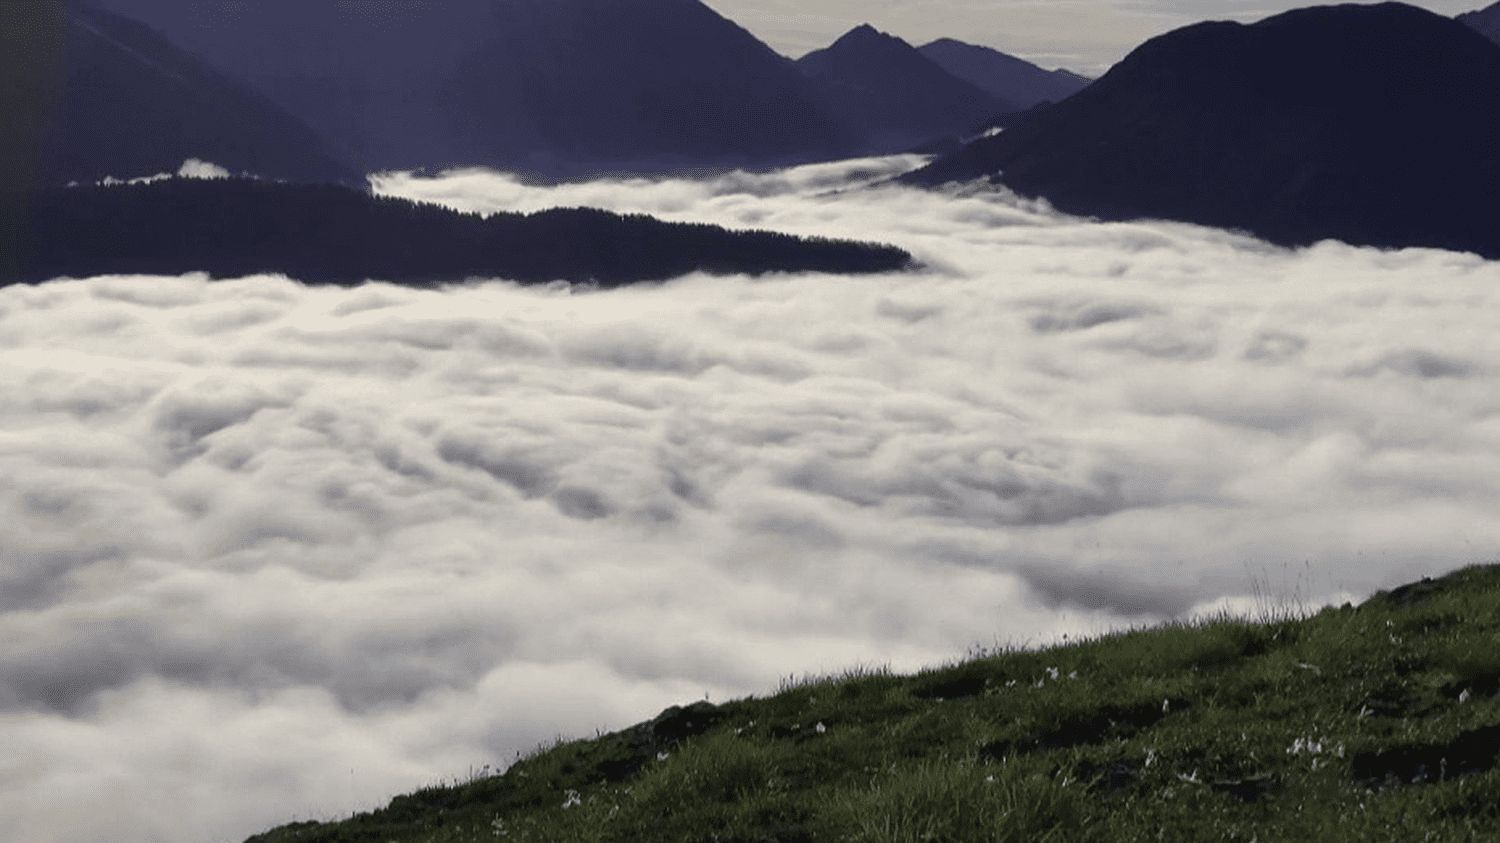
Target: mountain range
647	85
1018	83
367	76
1485	21
575	87
1337	122
559	87
1371	124
101	95
894	95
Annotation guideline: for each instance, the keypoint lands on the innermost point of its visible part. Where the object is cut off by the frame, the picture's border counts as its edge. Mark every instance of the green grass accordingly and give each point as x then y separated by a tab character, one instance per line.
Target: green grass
1380	722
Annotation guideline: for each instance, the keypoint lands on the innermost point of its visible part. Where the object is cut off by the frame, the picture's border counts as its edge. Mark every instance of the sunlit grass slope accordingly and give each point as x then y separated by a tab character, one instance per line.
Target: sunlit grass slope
1377	722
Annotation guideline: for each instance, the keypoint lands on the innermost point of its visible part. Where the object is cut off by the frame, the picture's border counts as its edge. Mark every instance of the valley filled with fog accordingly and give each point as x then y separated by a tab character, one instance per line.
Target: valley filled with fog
337	544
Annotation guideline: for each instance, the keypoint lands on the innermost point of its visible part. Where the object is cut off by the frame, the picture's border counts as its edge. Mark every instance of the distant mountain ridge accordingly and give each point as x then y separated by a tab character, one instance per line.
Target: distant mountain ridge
893	94
649	84
1004	76
114	98
364	75
1485	21
580	87
1338	122
554	86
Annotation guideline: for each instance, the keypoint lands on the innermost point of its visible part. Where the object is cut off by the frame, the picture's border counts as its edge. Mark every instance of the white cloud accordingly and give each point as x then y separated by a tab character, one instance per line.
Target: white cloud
273	552
192	168
196	169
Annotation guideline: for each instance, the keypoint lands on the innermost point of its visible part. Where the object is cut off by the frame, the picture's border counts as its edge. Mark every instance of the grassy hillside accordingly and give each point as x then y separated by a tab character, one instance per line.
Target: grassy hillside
1379	722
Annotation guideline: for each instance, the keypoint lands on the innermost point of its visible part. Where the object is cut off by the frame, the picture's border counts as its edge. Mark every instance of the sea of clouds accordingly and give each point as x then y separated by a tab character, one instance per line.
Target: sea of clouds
272	553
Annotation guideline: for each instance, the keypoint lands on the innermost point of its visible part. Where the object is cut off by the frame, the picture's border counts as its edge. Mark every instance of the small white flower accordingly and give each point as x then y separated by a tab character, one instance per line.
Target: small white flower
662	756
573	800
1464	697
821	729
1305	746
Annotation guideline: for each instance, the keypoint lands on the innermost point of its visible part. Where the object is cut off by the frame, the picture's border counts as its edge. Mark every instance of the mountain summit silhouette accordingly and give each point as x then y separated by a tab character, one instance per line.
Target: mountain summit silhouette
1375	125
895	96
649	84
1011	79
1485	21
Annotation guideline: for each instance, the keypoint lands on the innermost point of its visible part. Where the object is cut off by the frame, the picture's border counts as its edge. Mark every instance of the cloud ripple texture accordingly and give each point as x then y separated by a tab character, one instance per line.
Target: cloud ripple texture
272	553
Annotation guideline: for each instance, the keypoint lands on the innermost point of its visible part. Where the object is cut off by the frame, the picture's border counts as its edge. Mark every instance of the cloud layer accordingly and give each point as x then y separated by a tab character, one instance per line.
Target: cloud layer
269	553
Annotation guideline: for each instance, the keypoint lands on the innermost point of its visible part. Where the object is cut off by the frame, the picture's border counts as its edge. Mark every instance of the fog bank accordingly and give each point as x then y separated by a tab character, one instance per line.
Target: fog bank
270	552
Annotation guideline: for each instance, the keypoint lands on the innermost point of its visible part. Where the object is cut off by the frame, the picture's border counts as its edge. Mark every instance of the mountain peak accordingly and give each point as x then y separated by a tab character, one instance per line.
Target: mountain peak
898	97
1282	128
865	36
526	85
1485	21
1007	77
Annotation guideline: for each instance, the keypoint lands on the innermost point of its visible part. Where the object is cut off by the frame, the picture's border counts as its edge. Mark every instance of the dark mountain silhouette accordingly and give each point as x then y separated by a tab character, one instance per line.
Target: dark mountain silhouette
106	96
364	75
894	95
1004	76
552	86
331	234
1485	21
1374	125
648	84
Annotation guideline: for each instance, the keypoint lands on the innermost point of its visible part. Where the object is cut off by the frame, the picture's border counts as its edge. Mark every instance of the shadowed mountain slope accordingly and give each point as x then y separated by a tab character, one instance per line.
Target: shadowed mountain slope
365	75
1004	76
1375	125
103	95
1485	21
330	234
896	96
649	84
552	86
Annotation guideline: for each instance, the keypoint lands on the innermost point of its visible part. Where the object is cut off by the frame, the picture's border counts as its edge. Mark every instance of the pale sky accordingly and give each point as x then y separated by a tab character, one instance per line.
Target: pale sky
1083	35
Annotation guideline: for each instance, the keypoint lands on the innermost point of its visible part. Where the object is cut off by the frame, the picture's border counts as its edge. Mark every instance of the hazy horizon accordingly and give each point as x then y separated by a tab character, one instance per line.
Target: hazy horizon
1086	36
